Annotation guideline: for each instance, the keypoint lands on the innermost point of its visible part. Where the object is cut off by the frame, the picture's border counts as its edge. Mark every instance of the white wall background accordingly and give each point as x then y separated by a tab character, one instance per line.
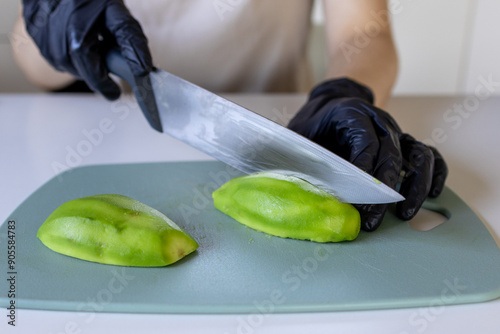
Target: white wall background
433	38
444	45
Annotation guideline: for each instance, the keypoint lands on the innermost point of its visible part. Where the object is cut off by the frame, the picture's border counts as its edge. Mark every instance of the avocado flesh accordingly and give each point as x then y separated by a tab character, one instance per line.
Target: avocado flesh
287	207
115	229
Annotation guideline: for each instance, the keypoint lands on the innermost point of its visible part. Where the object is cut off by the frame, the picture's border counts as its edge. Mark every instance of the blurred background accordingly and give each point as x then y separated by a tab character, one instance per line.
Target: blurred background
444	46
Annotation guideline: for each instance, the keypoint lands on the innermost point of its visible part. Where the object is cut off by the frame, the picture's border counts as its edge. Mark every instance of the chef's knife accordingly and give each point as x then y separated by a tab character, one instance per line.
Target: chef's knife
243	139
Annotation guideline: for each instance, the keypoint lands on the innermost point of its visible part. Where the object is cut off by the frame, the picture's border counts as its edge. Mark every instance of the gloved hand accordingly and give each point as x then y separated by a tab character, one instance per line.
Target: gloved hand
75	35
340	116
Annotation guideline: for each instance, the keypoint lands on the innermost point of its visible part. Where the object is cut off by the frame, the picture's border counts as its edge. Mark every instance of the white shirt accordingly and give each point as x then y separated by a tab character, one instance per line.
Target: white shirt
230	45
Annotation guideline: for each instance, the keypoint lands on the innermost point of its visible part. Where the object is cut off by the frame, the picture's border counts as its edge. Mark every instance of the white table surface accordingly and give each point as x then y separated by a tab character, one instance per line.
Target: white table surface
39	132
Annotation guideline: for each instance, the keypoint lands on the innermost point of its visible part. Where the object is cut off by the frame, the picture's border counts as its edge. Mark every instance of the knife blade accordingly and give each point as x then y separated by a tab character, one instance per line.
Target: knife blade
250	142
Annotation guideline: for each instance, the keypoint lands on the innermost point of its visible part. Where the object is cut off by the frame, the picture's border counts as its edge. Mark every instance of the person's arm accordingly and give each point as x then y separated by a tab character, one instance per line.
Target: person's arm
31	62
360	44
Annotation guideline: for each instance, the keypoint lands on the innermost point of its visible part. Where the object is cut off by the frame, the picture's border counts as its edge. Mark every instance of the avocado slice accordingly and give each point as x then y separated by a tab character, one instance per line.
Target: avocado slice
115	229
288	207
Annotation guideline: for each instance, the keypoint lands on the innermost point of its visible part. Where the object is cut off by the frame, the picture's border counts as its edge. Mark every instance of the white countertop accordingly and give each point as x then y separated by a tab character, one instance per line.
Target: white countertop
42	134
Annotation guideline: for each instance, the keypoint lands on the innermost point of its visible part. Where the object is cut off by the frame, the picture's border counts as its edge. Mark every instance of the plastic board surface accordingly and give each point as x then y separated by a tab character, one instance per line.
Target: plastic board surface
237	269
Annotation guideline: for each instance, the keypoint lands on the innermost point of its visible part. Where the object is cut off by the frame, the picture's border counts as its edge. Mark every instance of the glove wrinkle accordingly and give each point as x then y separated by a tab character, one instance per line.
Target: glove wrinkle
439	174
418	166
130	38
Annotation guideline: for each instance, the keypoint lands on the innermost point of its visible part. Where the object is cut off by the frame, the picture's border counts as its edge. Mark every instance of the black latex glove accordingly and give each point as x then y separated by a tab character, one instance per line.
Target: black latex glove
340	116
74	36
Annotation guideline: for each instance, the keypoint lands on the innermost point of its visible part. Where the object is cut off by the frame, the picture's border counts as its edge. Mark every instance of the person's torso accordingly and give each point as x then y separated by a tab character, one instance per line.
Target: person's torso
230	45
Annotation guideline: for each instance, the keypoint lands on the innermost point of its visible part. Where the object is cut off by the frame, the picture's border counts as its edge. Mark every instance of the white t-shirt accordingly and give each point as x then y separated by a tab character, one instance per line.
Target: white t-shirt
230	45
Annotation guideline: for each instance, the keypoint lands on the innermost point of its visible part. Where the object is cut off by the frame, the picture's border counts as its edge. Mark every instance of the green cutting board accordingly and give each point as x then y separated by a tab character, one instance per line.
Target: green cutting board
237	269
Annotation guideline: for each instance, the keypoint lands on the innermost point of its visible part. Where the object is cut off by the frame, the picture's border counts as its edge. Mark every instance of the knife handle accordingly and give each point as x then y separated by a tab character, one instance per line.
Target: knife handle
141	87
